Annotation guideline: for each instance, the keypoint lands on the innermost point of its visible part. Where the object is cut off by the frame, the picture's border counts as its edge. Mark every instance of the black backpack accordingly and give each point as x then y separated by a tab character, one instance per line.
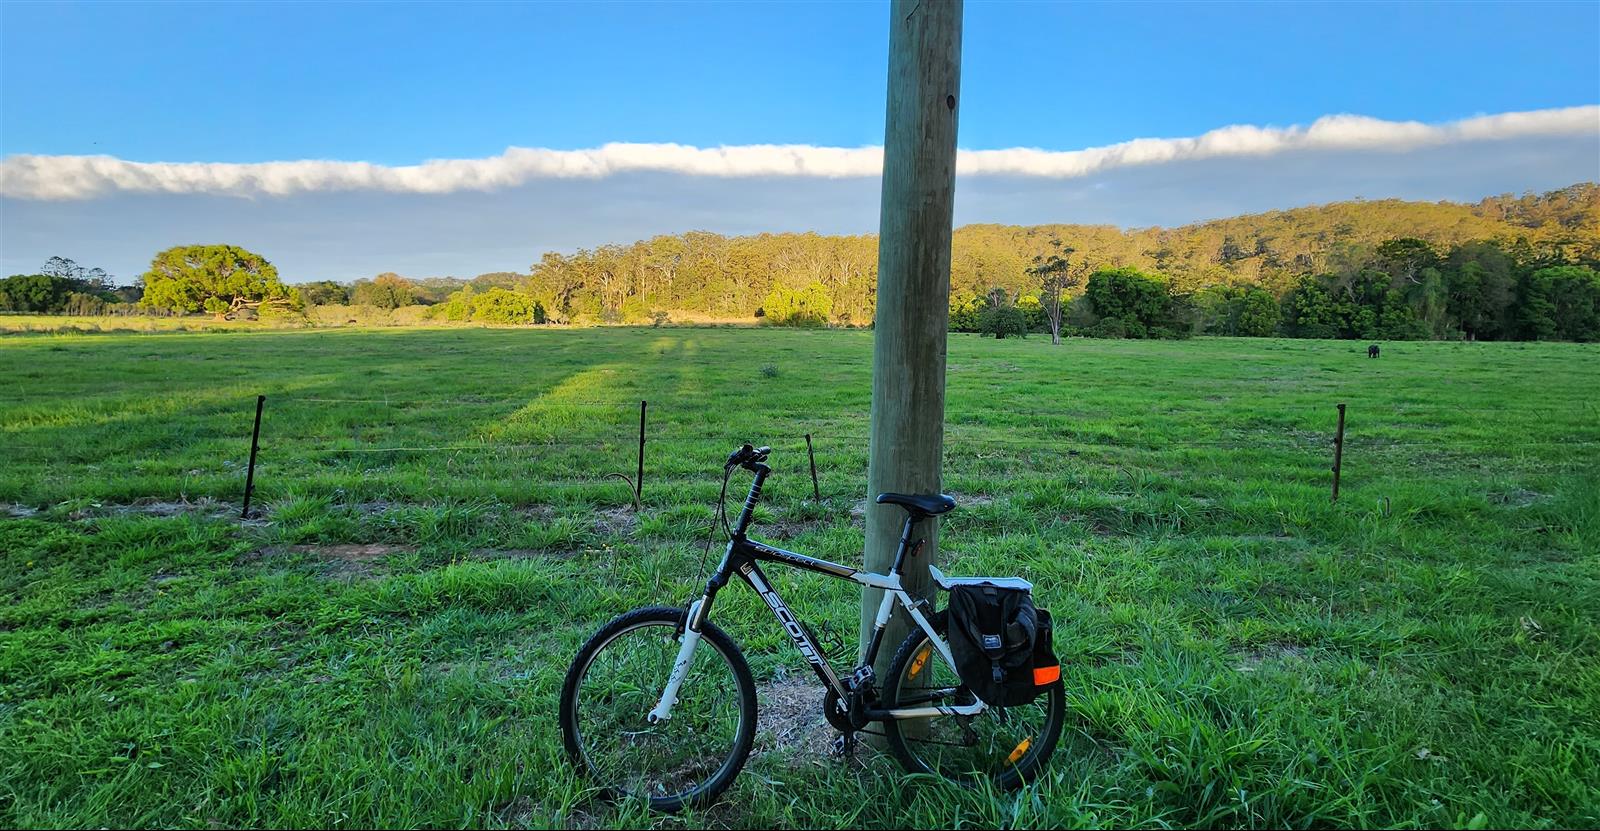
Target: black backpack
1001	644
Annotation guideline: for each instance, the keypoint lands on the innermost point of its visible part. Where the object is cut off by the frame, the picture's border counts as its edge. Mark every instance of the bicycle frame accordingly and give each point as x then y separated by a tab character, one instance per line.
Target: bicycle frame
743	556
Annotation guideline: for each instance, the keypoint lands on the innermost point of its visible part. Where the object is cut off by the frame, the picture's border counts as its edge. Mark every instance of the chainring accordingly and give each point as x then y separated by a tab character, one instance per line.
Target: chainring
835	711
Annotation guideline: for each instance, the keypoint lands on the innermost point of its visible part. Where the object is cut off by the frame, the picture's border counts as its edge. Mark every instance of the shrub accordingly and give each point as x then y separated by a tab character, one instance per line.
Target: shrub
1033	314
1111	327
1142	301
807	307
497	305
965	310
1003	321
386	291
324	293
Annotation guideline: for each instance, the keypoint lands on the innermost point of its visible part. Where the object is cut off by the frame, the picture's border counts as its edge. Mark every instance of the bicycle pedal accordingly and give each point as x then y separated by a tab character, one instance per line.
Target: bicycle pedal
845	745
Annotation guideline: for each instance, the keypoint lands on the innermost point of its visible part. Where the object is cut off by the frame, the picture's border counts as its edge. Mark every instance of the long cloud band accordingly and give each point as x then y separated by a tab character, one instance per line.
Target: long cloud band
86	177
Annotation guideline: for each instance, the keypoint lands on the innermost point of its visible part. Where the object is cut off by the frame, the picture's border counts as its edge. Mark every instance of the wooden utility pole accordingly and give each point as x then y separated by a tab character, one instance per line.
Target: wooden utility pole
913	313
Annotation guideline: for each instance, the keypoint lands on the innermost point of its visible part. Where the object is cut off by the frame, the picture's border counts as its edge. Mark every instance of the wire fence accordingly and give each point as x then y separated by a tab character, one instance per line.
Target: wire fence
628	442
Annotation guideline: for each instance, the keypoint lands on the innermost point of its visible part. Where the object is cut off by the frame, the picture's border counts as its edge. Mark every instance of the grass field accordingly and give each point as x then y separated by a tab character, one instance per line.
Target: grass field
13	323
383	645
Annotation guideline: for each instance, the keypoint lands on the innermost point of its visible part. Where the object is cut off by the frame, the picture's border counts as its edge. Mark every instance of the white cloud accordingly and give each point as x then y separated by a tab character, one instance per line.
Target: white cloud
35	177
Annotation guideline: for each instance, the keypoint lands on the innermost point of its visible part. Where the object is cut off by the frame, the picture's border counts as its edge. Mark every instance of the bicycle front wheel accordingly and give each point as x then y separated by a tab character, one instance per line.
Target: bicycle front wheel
1003	745
615	681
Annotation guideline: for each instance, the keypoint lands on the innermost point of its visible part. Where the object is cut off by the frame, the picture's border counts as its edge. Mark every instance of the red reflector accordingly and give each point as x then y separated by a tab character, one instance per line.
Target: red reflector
1046	675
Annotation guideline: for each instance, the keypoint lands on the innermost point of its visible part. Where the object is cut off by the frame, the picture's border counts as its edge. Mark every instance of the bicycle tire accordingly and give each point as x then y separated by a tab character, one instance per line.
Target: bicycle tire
571	708
1011	775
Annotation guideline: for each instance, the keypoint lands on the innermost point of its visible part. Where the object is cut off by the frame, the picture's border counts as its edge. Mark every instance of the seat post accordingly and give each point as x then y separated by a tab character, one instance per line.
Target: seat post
912	517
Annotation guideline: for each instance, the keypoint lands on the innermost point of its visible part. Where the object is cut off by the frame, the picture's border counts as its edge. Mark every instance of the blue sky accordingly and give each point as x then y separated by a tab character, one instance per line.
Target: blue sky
397	84
403	83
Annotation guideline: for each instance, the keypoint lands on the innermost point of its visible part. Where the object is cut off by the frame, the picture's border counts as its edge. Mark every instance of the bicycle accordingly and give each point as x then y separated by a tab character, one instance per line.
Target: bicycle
649	711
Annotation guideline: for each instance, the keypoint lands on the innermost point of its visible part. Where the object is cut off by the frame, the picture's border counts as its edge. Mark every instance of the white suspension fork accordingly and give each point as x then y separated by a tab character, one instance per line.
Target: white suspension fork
680	669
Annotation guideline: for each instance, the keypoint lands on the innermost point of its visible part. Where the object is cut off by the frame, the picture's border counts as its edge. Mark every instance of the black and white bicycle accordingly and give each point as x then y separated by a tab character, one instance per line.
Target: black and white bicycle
660	704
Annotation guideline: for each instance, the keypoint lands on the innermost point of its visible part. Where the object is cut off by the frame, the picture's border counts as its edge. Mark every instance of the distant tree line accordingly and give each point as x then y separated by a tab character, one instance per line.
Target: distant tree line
1388	269
1478	290
224	281
1505	268
61	286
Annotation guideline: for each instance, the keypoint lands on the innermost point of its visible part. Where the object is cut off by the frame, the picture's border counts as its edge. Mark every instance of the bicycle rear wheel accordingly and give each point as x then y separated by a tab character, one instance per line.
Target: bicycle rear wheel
619	675
1007	746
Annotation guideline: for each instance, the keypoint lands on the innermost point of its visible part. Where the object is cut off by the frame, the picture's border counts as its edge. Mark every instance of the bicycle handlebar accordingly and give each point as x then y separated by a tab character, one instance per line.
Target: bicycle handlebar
747	455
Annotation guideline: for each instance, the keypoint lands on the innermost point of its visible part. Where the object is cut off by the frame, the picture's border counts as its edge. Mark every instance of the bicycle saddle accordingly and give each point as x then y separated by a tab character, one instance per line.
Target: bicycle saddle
926	504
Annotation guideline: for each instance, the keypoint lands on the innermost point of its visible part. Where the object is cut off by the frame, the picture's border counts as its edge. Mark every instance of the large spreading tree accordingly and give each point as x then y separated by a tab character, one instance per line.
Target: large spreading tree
221	279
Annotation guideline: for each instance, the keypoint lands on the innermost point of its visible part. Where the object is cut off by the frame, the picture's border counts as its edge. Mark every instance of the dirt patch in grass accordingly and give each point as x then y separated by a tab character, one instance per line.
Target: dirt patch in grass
347	561
372	508
519	554
615	522
519	813
538	512
1252	658
787	529
158	508
789	719
523	812
351	552
972	500
151	506
352	562
1516	497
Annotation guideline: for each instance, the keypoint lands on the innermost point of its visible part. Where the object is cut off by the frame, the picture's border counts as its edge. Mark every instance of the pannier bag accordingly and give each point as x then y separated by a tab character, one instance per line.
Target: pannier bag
1001	644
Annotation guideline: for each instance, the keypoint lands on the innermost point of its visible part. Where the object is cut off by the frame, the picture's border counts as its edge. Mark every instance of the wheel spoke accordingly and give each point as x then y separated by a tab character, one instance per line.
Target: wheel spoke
676	758
999	744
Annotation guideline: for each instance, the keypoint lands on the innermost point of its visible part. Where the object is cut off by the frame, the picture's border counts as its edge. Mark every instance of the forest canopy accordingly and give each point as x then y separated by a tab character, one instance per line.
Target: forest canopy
1506	267
1386	268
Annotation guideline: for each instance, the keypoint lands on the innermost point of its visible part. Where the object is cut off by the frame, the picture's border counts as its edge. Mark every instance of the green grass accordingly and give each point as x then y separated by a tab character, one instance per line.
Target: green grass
1237	650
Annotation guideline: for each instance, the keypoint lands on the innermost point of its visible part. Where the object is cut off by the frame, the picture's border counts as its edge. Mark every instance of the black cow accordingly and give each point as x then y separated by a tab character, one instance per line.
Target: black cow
1372	351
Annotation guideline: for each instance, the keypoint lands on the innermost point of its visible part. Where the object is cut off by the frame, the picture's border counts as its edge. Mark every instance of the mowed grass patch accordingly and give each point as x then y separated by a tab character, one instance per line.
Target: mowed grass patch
383	645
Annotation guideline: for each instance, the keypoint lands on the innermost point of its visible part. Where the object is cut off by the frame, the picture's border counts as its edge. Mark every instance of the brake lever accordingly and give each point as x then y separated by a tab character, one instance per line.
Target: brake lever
738	456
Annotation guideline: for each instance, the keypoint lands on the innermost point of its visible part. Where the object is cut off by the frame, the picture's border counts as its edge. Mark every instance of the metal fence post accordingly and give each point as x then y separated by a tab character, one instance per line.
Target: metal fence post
255	445
816	492
638	486
1338	453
